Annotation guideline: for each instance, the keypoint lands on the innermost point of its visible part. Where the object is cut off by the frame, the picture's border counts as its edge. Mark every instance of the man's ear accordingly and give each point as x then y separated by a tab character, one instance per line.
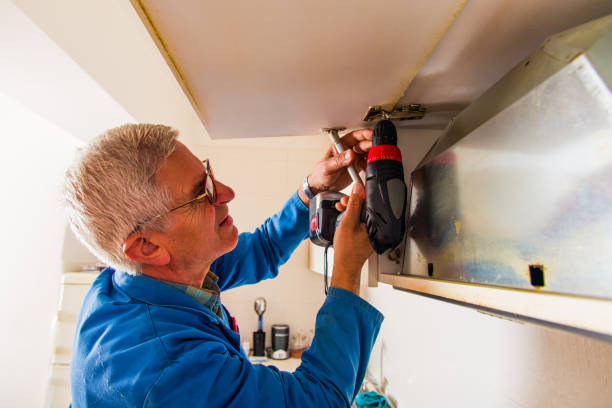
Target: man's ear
144	249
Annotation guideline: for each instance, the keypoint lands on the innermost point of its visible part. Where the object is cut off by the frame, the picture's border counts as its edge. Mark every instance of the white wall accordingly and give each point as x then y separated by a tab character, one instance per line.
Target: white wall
436	354
45	100
36	154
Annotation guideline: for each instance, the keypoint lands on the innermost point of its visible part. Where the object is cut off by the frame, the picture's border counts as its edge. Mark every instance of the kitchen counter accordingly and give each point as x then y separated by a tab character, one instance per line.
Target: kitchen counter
290	365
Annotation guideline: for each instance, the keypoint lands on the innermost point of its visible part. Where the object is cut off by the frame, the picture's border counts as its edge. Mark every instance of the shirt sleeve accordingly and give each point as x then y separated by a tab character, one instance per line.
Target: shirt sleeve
330	375
258	254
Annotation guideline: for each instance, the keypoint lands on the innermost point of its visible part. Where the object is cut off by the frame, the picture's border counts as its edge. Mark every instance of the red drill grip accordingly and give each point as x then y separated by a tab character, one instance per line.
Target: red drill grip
384	152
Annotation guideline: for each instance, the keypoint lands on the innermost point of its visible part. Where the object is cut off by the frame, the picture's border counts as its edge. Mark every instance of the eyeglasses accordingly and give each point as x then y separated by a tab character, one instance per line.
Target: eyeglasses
209	191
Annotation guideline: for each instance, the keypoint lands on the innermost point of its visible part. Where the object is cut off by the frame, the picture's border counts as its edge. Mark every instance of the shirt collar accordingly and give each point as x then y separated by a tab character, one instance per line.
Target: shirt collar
208	295
154	291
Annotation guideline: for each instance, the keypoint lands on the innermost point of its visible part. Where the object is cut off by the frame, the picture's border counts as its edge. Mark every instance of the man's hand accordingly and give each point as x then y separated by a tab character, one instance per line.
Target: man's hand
330	172
351	244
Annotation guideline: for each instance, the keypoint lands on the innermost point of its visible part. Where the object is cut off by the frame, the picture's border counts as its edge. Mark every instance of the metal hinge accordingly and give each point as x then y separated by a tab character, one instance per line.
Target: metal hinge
404	112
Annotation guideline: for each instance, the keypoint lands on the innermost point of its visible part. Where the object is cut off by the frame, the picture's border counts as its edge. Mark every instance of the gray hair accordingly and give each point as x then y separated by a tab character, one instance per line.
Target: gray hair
111	189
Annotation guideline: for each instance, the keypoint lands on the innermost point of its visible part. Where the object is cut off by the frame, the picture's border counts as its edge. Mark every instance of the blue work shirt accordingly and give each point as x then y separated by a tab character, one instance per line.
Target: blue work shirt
141	343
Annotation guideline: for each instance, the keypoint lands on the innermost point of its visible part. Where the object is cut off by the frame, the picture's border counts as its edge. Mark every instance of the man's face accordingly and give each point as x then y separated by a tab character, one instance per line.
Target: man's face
200	232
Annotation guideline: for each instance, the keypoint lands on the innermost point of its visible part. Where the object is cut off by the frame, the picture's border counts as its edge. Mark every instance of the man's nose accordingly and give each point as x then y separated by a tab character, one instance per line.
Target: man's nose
225	194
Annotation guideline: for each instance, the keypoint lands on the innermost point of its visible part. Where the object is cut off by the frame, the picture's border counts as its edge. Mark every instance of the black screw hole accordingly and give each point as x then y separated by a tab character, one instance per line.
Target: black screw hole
527	63
430	269
536	275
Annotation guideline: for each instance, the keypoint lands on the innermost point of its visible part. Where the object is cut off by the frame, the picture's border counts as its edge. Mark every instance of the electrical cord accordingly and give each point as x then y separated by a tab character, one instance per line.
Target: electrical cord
325	267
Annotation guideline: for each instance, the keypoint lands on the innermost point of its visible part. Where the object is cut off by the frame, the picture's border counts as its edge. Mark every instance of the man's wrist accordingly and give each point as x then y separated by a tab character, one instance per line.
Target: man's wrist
306	189
303	197
346	279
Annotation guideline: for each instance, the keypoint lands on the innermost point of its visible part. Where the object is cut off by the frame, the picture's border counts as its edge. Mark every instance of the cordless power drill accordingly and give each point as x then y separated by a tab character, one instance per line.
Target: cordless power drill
385	195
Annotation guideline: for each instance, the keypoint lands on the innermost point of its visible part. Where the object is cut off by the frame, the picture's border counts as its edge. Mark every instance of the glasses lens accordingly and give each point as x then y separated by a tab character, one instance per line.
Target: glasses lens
211	190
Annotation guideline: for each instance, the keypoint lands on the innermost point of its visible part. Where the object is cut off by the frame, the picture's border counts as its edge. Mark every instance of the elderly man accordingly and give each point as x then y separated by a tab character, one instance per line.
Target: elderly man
152	331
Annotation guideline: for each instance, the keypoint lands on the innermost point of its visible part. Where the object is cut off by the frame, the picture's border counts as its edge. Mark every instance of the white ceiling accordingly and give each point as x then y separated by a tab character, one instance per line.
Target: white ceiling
253	69
40	75
113	51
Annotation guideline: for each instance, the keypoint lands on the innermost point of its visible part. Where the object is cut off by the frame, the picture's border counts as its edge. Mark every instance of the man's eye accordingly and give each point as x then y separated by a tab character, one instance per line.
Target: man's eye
199	200
200	190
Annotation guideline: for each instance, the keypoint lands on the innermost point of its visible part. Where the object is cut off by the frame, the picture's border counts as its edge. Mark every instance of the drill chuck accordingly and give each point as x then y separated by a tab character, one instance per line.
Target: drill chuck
384	133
